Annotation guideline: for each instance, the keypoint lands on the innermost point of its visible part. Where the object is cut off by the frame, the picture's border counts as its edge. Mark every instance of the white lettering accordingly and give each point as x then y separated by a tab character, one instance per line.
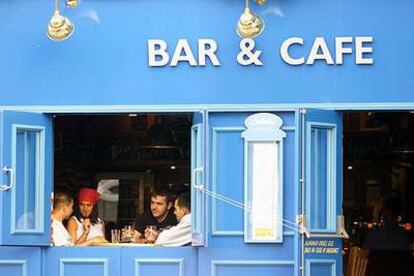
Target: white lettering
361	50
157	47
340	50
183	53
207	48
320	44
284	51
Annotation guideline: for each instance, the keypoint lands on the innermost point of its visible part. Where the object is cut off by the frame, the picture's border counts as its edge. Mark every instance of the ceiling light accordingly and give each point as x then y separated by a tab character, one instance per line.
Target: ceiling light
250	25
59	27
160	136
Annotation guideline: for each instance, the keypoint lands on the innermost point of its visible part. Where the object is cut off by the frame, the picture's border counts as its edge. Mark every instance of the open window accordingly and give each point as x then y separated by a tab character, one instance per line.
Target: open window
126	157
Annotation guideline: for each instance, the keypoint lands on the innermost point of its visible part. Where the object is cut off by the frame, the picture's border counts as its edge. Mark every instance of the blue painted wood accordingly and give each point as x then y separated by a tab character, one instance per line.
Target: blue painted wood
226	177
323	200
92	60
322	142
298	186
180	261
250	267
325	267
34	164
64	109
225	139
94	266
28	164
264	259
75	261
20	261
329	120
198	177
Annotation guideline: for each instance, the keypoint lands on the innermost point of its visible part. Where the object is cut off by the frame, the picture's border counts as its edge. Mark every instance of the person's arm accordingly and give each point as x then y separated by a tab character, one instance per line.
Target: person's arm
94	241
97	240
73	228
138	236
175	236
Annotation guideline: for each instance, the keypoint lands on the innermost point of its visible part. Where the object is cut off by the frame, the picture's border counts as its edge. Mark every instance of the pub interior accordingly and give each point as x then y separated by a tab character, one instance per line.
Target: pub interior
378	159
125	157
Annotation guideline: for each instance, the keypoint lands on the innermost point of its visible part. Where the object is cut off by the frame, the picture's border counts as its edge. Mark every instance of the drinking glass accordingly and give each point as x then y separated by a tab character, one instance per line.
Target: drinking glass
127	233
150	233
115	235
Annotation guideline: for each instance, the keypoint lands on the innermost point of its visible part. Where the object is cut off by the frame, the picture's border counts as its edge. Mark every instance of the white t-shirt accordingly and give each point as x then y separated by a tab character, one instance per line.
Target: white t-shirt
60	235
95	230
177	235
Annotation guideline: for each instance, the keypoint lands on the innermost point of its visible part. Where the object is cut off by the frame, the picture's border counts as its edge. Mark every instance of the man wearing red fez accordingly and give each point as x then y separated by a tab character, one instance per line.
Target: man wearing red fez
85	225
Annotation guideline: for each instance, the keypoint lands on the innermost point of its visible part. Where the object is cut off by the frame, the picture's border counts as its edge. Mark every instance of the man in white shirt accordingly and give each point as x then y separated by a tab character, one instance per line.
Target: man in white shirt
62	209
181	233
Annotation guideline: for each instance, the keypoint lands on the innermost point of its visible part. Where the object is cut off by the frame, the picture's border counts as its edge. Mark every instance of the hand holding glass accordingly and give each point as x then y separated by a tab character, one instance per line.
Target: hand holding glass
127	233
151	233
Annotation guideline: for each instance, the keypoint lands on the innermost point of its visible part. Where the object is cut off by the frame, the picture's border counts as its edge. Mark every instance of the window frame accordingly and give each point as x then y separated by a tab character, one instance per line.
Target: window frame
40	178
331	176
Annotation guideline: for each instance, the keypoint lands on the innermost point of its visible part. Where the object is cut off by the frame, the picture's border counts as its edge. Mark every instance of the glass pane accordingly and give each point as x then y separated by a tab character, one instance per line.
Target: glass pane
263	190
27	176
320	177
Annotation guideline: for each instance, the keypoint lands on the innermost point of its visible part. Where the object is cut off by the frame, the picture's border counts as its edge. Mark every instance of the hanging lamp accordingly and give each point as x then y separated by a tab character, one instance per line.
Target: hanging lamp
59	27
250	24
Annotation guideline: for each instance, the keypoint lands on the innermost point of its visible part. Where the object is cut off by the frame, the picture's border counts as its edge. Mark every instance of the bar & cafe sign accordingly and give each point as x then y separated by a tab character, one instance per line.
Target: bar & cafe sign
358	48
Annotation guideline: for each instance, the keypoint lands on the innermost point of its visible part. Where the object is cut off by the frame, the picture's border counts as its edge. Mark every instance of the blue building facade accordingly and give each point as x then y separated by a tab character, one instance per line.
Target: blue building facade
342	55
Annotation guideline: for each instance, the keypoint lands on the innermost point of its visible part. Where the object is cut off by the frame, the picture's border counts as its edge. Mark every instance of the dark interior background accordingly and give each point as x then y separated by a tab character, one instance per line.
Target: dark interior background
155	147
378	150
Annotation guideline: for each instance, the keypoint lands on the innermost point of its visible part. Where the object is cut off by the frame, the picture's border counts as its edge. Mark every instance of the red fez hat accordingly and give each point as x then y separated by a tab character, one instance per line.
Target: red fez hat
88	195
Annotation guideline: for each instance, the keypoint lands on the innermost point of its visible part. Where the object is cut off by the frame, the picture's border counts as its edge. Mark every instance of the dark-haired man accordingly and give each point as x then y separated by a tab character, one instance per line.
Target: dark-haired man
181	233
160	215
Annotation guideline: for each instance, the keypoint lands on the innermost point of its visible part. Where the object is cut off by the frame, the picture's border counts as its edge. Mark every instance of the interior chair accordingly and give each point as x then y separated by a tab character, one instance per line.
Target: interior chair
357	262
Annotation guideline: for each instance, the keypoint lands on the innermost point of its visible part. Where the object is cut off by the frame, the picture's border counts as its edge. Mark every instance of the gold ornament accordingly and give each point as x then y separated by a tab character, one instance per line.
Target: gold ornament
72	3
59	27
250	25
260	2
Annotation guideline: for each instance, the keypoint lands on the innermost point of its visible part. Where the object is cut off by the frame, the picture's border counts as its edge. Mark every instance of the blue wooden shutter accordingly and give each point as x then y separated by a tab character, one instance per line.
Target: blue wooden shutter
322	144
323	179
198	197
26	178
